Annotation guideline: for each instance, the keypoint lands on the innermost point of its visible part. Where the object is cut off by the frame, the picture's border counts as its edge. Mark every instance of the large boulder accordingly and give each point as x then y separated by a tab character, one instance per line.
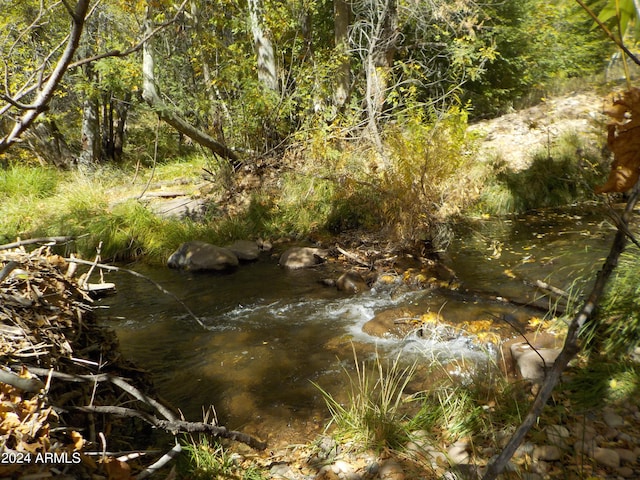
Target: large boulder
302	257
202	256
245	250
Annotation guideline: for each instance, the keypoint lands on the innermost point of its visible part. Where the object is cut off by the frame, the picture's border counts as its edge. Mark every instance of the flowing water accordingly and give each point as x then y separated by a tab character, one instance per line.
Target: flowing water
271	333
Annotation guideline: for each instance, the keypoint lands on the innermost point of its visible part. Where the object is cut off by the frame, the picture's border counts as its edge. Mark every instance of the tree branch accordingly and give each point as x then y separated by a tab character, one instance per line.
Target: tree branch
571	344
45	95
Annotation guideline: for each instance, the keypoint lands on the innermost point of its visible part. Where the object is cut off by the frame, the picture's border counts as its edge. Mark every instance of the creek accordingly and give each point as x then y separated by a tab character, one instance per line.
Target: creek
271	333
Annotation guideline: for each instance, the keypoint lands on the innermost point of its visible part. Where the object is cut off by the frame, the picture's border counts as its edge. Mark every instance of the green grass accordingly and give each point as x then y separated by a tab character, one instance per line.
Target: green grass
615	330
375	414
206	460
602	381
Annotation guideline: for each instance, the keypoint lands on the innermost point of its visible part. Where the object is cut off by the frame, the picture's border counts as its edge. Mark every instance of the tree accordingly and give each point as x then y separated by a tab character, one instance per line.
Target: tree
342	18
266	60
167	113
42	86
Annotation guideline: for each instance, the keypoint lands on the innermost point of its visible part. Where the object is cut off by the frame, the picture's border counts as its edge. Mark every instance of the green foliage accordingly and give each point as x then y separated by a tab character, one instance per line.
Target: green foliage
603	380
429	177
615	331
537	43
374	415
205	460
559	174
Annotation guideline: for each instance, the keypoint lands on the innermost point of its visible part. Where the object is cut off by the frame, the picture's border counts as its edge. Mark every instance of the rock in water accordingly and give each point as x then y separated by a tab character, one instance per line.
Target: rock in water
302	257
351	282
245	250
202	256
533	364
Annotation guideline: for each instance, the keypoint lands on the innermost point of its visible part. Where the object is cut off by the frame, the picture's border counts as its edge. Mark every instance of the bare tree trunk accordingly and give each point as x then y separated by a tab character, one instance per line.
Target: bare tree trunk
166	113
342	16
267	71
31	112
122	110
379	28
90	132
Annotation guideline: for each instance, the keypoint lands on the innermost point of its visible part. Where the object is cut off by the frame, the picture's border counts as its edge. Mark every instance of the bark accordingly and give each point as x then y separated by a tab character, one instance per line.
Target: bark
41	102
267	72
342	15
571	345
49	145
380	23
167	114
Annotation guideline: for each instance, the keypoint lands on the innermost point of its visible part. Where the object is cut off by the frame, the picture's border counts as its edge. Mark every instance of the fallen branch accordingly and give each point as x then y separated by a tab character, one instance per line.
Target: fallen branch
353	257
571	346
176	426
31	241
162	461
171	422
550	288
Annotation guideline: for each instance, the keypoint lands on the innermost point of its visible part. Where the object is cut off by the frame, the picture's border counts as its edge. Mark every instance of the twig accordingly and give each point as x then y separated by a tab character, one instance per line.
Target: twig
31	241
30	385
161	462
175	426
8	268
571	346
353	257
555	290
139	275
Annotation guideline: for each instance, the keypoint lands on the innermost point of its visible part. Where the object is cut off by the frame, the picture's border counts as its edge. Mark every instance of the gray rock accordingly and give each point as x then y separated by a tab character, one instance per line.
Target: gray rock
202	256
626	456
351	282
612	419
548	453
282	471
607	457
586	446
626	472
302	257
245	250
525	448
533	364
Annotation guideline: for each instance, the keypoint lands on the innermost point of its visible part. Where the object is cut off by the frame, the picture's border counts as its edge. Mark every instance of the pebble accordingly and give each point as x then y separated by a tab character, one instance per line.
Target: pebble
458	454
626	455
548	453
391	470
525	448
281	471
606	457
584	446
612	419
626	472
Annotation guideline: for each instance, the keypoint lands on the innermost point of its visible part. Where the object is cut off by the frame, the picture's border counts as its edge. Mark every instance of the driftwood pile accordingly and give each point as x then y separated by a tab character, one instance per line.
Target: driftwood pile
70	405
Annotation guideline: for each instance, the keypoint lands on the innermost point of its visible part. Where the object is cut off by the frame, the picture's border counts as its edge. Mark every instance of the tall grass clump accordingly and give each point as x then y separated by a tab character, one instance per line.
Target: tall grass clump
374	415
615	330
560	173
205	460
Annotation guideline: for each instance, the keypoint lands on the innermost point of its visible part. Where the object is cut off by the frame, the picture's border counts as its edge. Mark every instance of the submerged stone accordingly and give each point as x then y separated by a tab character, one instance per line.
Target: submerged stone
302	257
